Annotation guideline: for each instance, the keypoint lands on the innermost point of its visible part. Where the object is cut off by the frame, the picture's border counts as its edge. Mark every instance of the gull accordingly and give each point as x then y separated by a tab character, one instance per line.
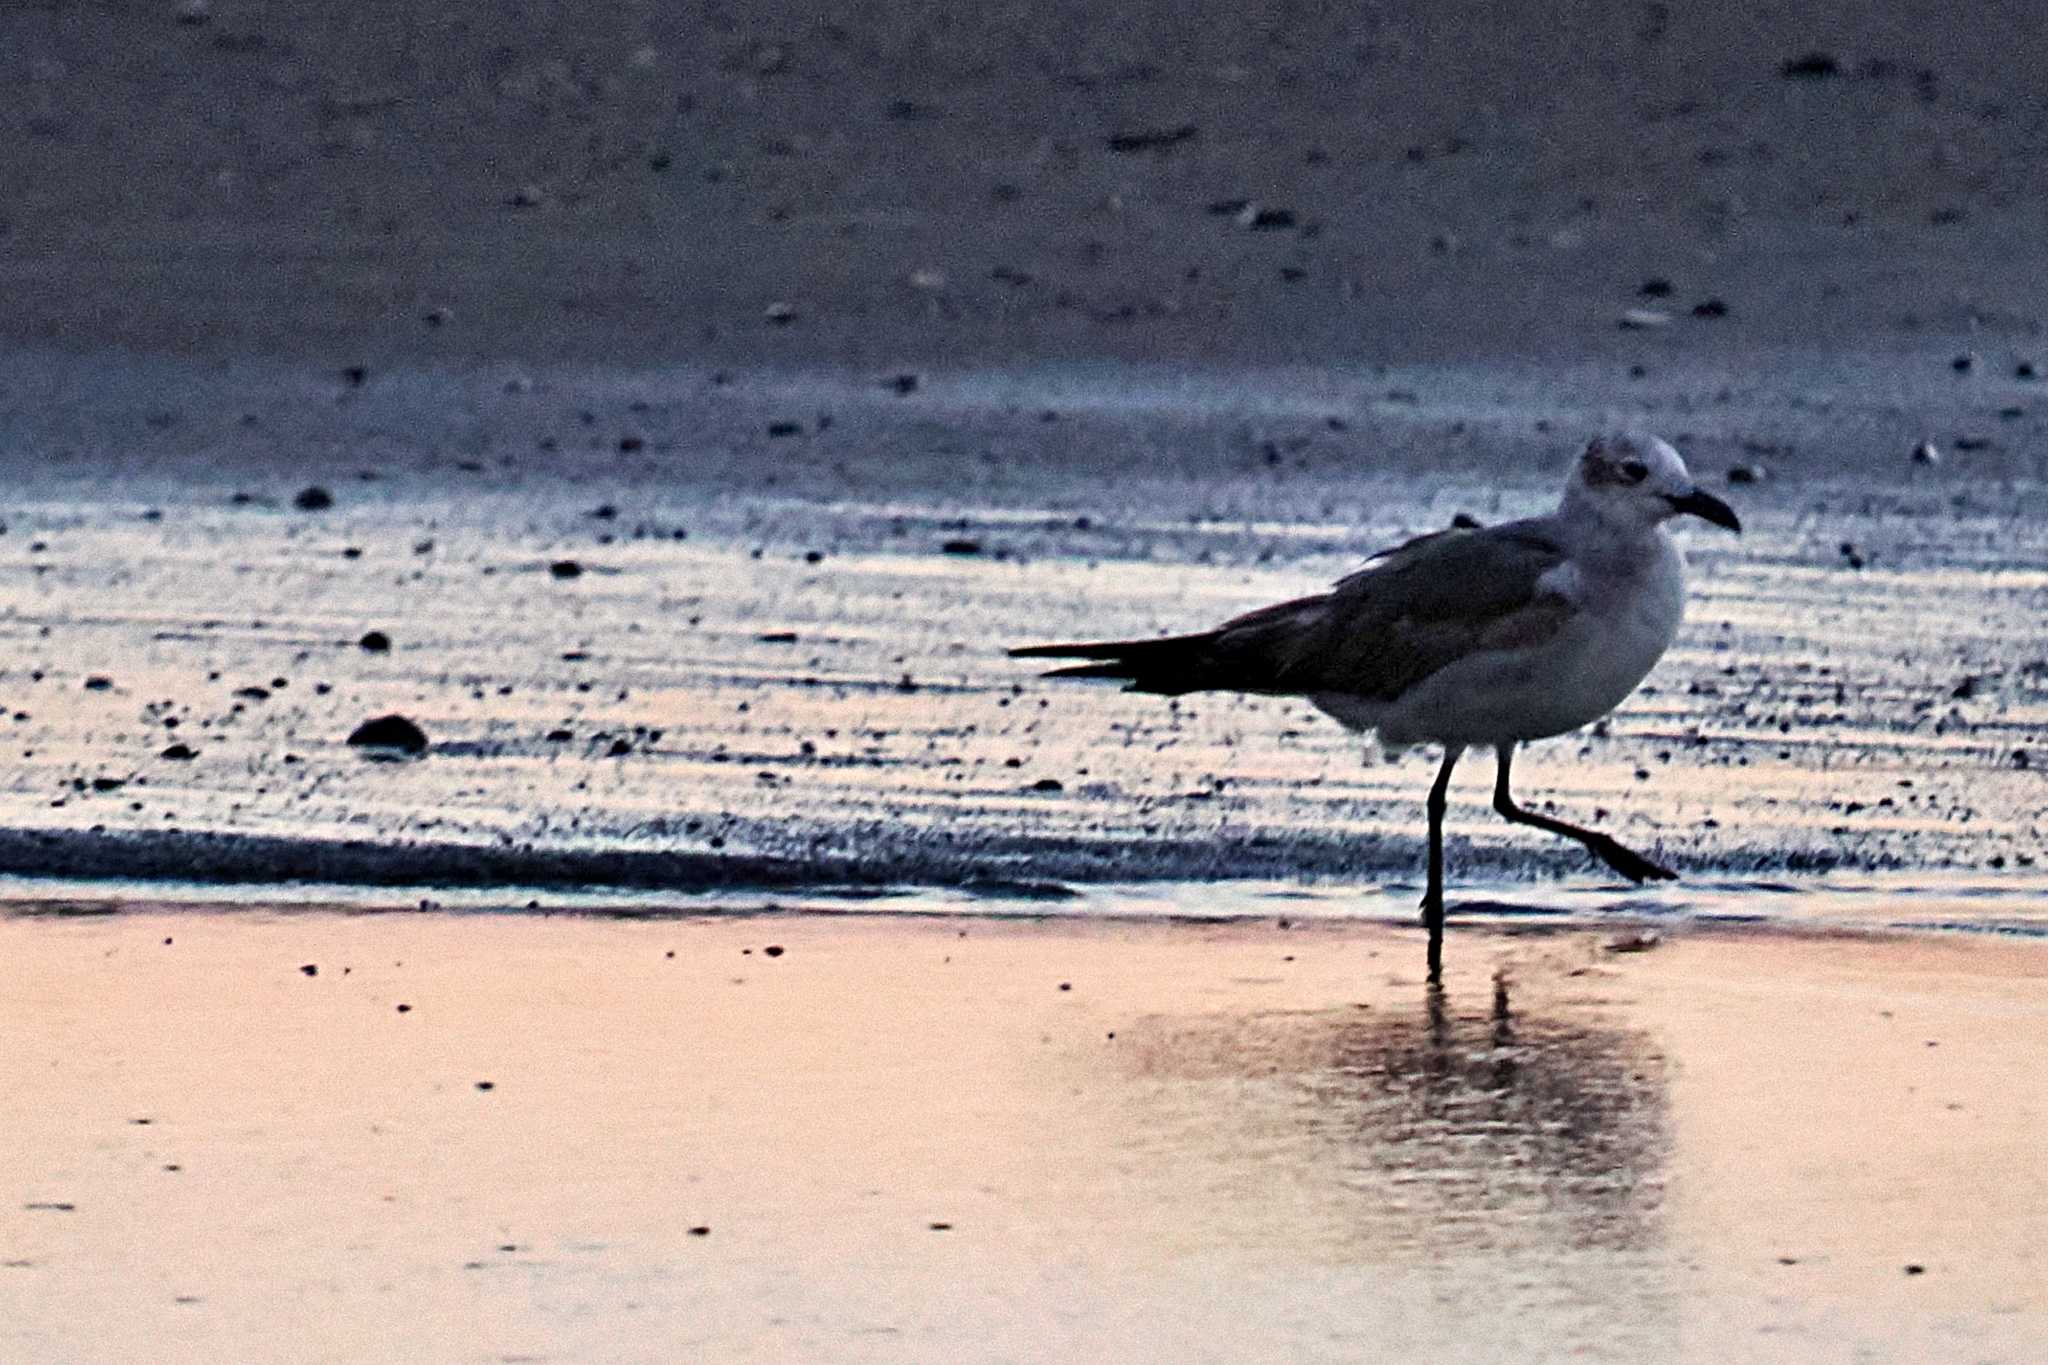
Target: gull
1473	636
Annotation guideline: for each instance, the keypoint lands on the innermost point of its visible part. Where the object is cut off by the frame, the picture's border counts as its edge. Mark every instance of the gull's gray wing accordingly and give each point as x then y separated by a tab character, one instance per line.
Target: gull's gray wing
1409	612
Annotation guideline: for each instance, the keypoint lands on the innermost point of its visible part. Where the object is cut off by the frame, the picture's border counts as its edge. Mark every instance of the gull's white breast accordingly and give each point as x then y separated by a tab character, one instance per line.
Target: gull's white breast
1620	625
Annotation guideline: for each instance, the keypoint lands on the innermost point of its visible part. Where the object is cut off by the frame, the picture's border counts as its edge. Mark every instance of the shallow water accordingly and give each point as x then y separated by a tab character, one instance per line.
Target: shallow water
918	1138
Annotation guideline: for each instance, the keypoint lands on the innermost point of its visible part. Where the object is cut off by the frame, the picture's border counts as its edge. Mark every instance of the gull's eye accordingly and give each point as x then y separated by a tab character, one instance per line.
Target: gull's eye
1635	471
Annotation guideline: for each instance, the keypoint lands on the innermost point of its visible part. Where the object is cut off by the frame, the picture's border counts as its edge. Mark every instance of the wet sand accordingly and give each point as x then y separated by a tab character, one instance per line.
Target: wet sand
839	353
809	692
952	1139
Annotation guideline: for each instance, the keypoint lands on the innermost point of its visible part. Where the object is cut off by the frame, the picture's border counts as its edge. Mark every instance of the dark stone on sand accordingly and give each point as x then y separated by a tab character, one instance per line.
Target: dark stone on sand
356	376
1912	1269
180	753
1710	308
630	445
376	642
390	732
604	511
940	1227
620	748
487	1085
566	568
1963	364
1656	287
404	1009
99	683
2025	370
1809	66
109	784
310	968
560	736
779	429
1154	139
1047	784
777	637
961	547
700	1231
773	950
903	384
313	498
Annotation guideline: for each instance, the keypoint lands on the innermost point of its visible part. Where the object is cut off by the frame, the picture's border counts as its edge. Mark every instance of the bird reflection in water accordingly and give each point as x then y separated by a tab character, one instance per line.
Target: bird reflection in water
1422	1132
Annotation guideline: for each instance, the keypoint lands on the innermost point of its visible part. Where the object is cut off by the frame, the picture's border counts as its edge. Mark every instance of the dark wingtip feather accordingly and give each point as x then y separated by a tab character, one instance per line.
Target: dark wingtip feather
1091	649
1119	671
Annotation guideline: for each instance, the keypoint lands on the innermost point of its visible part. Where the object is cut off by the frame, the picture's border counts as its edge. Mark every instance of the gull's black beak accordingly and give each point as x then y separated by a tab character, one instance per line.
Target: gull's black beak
1706	507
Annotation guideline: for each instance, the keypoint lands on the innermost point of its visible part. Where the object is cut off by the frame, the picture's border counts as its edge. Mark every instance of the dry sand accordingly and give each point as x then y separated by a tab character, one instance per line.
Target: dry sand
959	1140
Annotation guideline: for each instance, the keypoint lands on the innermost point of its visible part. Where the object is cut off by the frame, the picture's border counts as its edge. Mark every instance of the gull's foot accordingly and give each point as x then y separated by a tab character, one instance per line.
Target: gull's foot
1628	862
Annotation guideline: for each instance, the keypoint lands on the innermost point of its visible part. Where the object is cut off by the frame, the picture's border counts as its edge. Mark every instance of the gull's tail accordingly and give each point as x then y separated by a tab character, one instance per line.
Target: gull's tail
1171	666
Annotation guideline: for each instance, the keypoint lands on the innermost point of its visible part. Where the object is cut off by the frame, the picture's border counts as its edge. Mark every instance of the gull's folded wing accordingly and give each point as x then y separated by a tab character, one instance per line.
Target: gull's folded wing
1379	631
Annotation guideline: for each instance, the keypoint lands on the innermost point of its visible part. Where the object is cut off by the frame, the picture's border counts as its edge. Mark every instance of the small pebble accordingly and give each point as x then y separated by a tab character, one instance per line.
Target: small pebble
1809	66
390	732
1927	453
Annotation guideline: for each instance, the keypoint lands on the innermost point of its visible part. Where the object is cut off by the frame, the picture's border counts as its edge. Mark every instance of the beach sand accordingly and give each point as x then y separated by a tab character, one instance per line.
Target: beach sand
827	355
962	1139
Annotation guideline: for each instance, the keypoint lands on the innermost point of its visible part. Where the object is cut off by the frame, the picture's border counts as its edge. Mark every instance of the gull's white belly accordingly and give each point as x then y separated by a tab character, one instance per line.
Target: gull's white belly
1571	679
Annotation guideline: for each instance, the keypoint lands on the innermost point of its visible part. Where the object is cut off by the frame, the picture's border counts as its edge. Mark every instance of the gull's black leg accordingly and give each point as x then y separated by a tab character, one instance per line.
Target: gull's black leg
1627	862
1433	896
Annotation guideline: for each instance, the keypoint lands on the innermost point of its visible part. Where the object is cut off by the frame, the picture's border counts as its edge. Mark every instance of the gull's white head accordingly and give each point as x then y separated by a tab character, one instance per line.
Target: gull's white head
1637	481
